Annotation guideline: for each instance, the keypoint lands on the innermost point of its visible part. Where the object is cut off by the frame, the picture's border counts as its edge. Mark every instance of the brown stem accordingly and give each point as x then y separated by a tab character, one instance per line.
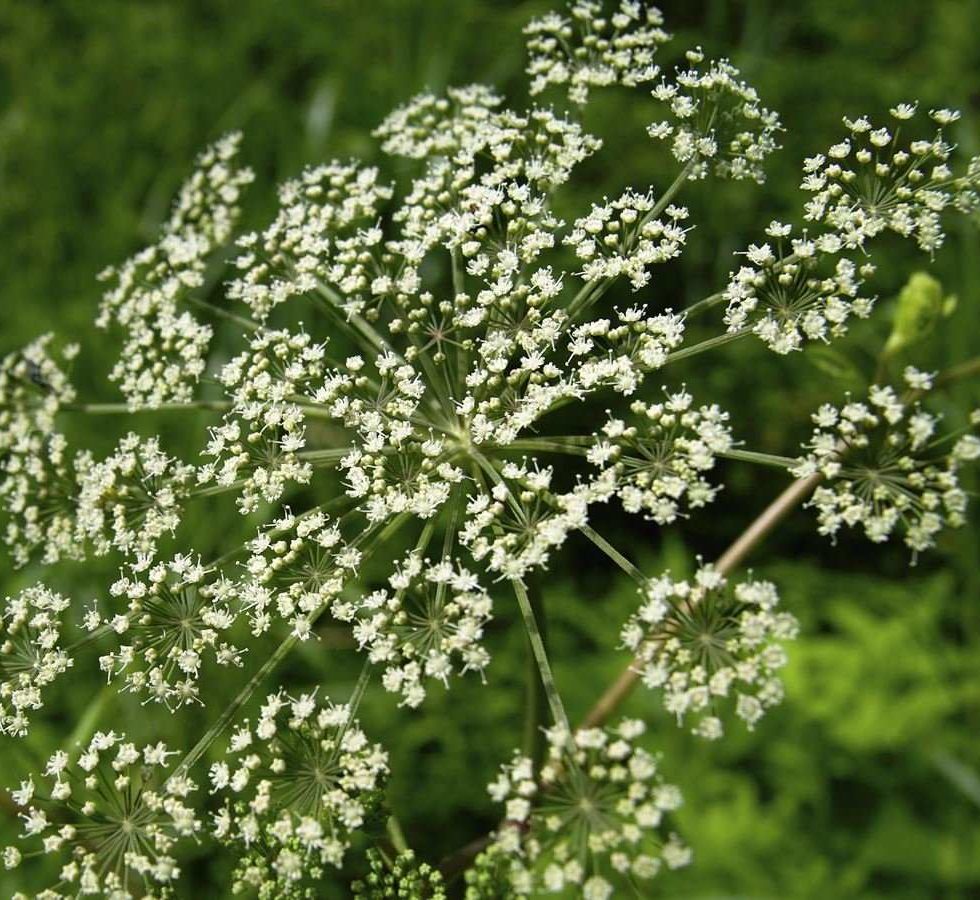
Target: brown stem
731	559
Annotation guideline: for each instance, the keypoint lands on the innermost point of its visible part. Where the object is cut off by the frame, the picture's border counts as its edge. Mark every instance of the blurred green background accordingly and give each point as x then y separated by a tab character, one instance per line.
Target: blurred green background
866	782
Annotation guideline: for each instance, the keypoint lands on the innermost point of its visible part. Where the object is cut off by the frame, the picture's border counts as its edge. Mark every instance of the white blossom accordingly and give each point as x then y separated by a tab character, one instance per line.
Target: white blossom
593	814
701	642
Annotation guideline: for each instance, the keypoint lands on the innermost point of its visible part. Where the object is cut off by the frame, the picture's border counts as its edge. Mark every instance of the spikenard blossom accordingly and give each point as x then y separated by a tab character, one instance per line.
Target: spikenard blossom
30	654
165	348
516	526
321	239
427	625
297	786
885	469
594	47
112	815
806	288
702	642
592	815
659	459
624	237
297	566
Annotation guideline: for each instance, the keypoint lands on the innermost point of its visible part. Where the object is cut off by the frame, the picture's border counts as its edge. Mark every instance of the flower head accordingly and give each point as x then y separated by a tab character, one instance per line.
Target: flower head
297	566
659	460
873	181
700	642
132	498
594	47
320	240
621	238
112	815
593	814
787	298
30	658
884	469
428	624
716	122
37	488
298	784
173	620
165	349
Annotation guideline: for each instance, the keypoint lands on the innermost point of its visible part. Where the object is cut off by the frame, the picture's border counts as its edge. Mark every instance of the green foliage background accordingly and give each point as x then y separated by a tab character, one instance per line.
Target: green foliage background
866	782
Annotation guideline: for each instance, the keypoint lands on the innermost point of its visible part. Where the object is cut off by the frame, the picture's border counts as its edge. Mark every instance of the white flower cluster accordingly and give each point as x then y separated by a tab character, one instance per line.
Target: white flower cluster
129	500
36	488
700	642
472	321
618	354
870	183
885	467
517	525
456	132
299	784
808	294
659	464
113	814
396	465
484	196
429	126
622	238
717	124
165	348
30	658
297	566
429	624
172	619
594	812
594	48
807	288
321	238
257	444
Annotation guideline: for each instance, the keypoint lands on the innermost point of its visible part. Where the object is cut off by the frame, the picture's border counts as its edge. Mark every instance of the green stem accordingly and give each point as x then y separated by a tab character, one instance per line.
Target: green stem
702	305
231	710
963	370
548	445
534	698
615	555
88	719
396	835
324	456
217	489
124	409
355	698
706	345
763	459
541	657
223	313
459	285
